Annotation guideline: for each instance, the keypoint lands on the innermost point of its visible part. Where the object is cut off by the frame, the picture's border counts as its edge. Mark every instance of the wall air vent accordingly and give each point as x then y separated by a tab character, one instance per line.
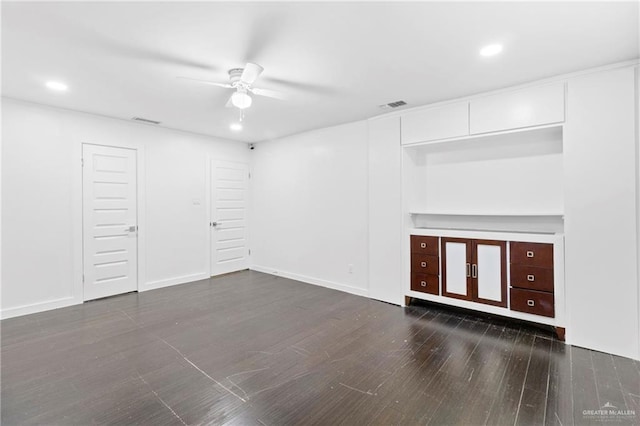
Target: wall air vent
392	105
145	120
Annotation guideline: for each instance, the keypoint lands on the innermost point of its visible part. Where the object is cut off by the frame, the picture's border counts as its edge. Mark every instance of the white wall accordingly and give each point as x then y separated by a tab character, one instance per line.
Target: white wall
309	207
637	95
601	251
41	216
385	210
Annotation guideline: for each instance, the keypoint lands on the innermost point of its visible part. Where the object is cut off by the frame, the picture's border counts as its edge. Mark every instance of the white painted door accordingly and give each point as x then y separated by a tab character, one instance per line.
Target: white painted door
489	270
109	203
229	190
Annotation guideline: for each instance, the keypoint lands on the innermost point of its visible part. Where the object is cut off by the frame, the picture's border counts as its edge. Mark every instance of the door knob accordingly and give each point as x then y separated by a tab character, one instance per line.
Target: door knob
214	224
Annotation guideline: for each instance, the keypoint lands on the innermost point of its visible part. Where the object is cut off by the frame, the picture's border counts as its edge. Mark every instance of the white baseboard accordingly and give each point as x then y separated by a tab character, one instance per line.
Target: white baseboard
152	285
311	280
38	307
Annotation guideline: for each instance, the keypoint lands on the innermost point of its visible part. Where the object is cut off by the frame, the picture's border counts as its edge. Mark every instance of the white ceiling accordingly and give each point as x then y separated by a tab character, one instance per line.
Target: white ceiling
336	61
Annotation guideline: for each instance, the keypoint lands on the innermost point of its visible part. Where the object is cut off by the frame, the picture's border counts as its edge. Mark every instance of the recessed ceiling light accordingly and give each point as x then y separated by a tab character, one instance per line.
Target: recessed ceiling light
491	49
236	127
56	85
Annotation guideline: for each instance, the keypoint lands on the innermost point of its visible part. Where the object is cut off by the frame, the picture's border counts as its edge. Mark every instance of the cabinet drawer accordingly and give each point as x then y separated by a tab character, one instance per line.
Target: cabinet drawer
532	302
425	283
532	277
424	245
532	254
424	264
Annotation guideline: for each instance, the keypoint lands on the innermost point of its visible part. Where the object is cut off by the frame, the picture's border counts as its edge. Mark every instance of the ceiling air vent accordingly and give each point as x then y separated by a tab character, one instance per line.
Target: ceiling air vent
395	104
145	120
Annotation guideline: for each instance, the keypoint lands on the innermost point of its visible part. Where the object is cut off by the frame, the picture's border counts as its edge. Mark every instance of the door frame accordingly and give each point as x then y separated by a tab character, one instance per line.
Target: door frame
78	220
208	199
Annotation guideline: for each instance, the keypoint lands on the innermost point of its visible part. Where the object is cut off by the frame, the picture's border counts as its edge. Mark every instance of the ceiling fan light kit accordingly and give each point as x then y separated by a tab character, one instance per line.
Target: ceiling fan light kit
241	99
241	80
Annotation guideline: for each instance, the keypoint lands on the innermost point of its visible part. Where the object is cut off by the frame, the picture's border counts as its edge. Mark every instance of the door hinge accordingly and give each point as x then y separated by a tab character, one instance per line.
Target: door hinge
82	162
249	175
82	278
249	252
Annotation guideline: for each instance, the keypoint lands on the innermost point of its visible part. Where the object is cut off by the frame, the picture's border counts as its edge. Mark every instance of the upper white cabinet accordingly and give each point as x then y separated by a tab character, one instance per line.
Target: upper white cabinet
534	106
443	122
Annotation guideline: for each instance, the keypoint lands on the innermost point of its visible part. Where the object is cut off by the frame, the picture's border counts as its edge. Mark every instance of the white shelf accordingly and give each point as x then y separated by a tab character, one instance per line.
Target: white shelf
487	214
511	136
526	221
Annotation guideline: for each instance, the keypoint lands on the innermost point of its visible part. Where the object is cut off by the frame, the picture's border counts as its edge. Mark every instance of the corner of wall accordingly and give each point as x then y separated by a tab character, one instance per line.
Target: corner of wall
637	131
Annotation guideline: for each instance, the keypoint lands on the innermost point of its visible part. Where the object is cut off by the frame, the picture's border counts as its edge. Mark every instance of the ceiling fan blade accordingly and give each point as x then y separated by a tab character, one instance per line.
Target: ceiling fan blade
268	93
211	83
229	104
292	85
251	72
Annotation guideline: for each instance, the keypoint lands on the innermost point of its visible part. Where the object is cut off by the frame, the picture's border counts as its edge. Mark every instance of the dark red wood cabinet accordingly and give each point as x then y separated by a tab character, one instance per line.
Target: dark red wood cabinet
425	264
474	270
532	283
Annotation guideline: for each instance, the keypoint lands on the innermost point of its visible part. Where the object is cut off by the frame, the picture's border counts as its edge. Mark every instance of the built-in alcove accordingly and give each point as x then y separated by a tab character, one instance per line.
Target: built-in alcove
502	182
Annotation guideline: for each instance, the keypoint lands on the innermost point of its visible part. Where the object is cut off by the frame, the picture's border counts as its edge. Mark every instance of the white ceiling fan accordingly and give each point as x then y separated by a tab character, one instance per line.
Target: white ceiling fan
241	80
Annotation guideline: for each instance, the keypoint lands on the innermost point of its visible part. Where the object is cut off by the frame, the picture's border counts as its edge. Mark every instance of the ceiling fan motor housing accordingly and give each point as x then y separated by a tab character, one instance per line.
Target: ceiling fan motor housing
234	76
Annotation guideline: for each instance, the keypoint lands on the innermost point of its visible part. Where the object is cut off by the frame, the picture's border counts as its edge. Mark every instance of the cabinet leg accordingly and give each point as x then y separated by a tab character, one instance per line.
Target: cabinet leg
407	300
560	333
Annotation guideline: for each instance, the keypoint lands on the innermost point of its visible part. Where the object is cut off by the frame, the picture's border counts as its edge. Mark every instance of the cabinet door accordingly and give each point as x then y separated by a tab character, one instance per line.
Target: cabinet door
443	122
456	268
533	106
489	272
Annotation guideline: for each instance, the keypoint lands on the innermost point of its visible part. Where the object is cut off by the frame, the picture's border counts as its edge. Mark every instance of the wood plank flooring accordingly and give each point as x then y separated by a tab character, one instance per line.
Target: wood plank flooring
255	349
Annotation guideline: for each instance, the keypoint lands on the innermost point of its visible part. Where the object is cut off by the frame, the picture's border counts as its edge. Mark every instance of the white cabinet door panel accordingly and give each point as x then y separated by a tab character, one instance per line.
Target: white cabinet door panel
489	271
534	106
456	268
443	122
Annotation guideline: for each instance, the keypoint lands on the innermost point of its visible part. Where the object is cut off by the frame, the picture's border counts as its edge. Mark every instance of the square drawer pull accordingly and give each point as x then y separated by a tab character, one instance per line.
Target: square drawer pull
530	302
423	245
423	264
531	277
423	283
529	253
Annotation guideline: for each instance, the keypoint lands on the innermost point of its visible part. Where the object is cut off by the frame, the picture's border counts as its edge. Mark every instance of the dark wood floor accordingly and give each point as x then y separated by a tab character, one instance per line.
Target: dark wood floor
254	349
